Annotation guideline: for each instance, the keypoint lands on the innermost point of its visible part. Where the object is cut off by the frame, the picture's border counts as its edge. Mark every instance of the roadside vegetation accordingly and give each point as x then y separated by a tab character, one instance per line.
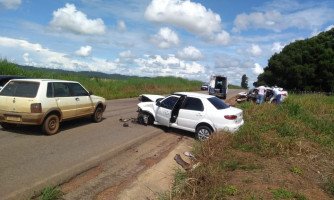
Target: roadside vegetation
109	88
281	152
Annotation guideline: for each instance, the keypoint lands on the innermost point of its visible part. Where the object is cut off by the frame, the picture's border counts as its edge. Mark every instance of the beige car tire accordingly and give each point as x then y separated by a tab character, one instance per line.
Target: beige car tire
51	124
98	113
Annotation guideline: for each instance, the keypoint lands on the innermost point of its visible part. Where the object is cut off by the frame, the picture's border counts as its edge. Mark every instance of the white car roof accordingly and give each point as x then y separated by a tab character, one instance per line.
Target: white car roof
194	94
42	80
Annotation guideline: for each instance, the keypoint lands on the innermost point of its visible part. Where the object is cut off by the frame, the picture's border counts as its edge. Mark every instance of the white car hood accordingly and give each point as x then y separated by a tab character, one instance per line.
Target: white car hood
152	97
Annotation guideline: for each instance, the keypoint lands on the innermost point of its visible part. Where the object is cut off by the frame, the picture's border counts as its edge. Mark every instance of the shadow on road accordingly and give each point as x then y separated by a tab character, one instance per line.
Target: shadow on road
37	130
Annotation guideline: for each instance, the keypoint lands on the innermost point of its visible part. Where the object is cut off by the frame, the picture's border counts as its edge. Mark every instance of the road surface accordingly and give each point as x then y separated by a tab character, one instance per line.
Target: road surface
31	161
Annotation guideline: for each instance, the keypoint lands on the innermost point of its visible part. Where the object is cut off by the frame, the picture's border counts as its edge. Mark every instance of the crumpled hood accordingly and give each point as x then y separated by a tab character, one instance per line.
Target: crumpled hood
149	97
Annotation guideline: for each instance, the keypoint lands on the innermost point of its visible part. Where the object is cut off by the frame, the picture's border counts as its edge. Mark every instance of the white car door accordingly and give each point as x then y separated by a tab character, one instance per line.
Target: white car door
164	110
191	113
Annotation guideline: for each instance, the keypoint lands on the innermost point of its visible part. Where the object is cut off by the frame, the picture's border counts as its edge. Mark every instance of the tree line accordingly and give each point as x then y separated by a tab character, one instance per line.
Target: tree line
304	65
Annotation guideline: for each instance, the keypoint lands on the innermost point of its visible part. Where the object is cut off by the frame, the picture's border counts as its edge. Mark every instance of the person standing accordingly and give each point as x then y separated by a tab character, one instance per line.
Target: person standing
260	95
276	95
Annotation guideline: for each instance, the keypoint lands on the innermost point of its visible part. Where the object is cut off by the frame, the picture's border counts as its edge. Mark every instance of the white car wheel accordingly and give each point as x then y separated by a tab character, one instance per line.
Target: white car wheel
203	133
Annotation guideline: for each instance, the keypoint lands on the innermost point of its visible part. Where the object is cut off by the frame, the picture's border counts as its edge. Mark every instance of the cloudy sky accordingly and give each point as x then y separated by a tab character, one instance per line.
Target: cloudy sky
191	39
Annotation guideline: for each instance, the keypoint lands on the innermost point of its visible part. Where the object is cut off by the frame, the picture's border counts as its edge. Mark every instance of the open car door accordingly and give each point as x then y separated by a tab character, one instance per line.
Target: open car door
168	109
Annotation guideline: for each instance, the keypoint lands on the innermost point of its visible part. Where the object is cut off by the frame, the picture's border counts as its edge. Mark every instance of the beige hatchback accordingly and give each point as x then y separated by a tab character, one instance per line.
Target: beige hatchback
47	102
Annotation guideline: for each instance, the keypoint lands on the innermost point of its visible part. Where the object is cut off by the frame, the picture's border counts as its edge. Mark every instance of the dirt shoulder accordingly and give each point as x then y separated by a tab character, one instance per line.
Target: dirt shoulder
140	172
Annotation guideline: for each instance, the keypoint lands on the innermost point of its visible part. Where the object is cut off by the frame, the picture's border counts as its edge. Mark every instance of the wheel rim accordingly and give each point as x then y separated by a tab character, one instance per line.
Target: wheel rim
98	114
203	134
52	124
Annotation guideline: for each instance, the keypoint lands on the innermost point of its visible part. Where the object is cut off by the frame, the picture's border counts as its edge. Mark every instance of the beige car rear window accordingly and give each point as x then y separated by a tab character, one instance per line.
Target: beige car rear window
20	89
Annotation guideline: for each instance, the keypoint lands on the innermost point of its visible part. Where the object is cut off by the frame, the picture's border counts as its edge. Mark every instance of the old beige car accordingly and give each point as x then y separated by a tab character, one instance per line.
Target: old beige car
47	102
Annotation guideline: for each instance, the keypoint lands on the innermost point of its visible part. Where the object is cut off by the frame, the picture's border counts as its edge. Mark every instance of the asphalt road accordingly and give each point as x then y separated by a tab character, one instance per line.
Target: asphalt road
30	161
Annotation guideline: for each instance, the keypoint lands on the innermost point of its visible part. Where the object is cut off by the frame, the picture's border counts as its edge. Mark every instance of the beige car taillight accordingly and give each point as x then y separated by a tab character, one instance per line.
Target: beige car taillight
36	108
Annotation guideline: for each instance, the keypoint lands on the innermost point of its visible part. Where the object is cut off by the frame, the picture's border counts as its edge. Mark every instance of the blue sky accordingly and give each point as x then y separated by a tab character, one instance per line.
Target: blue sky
190	39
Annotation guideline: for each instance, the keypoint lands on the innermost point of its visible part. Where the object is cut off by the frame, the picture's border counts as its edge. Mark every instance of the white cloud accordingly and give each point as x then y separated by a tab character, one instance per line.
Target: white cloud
84	51
10	4
277	47
255	50
257	69
44	57
329	27
167	66
72	20
26	57
310	19
193	17
186	14
121	26
165	38
190	53
126	54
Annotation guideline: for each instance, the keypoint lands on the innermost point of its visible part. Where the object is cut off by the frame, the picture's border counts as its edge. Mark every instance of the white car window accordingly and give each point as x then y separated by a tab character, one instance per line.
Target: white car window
169	102
193	104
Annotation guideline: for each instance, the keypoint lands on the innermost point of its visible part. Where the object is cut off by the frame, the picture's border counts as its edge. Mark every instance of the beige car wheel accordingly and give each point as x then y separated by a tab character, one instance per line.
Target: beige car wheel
51	125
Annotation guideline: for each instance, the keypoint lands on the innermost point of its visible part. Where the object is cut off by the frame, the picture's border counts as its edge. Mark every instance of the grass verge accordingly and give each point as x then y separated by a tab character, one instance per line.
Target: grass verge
282	152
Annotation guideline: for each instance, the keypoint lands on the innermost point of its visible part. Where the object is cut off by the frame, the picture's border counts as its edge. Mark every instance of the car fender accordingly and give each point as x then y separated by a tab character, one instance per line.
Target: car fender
57	110
207	121
147	107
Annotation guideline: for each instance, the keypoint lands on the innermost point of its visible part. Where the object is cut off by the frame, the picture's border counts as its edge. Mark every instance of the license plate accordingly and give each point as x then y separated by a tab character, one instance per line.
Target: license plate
13	118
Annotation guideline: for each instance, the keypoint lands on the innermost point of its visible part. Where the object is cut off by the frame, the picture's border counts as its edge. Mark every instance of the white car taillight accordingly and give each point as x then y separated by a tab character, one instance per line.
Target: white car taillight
36	108
230	117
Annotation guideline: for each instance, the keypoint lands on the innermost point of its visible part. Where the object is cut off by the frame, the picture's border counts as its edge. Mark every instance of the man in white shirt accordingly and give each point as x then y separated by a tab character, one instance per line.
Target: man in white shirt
260	95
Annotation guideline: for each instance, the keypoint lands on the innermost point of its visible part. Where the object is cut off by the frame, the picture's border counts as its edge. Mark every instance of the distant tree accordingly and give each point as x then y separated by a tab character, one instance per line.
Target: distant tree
244	81
303	65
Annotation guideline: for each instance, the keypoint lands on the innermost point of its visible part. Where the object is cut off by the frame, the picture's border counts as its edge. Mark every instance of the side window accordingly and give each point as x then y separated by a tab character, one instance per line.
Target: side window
193	104
61	89
169	102
77	90
49	92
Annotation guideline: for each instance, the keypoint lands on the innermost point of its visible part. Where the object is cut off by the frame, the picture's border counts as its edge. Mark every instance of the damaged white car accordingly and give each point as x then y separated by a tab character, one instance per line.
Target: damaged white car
199	113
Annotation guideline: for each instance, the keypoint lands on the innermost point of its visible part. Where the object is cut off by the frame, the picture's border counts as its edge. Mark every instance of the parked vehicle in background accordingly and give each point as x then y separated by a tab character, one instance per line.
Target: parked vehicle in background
205	86
5	78
218	86
47	103
201	114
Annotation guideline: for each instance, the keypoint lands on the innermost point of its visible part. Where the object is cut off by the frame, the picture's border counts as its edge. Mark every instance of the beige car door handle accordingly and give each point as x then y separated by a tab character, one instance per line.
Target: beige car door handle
77	99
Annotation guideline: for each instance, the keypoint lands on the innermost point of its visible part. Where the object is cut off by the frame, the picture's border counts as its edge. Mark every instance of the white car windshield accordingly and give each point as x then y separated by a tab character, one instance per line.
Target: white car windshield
218	103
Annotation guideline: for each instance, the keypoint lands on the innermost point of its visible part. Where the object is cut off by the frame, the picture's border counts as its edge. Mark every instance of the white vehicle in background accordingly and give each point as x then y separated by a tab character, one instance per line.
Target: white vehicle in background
218	86
201	114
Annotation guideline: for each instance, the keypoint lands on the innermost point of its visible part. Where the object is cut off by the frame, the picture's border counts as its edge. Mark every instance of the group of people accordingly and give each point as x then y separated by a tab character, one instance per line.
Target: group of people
276	95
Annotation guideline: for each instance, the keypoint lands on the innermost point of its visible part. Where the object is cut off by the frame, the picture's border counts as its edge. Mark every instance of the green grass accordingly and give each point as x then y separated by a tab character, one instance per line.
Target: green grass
109	88
51	193
270	132
282	193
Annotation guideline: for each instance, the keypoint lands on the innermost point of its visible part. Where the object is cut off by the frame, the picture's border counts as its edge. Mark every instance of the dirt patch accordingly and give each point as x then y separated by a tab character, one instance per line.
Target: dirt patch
79	180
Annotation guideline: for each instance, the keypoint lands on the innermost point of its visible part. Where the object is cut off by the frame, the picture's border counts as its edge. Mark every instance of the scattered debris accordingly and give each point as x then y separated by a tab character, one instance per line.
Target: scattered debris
126	120
125	124
181	162
190	155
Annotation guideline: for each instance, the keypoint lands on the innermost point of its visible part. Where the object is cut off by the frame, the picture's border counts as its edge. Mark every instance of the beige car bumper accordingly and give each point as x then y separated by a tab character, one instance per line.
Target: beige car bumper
21	118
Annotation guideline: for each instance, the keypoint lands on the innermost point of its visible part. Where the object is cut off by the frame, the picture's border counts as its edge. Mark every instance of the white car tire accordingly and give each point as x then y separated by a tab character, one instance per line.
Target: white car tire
203	132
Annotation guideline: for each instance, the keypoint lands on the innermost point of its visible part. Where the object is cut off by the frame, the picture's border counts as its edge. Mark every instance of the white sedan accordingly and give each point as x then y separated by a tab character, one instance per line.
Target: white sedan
199	113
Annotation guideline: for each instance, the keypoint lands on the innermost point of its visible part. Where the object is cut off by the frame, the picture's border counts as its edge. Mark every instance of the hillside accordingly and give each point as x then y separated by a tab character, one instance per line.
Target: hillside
108	86
303	65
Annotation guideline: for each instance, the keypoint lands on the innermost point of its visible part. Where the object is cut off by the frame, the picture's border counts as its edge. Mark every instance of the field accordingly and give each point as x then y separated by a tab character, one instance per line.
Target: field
109	88
282	152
